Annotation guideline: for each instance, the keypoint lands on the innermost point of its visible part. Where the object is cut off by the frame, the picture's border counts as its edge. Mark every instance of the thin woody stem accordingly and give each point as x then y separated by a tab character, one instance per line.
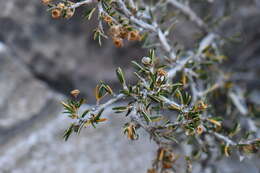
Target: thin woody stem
230	142
78	4
187	11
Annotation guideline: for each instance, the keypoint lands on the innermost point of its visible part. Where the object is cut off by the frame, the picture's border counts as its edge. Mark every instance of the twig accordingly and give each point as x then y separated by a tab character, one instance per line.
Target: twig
233	143
104	105
78	4
187	11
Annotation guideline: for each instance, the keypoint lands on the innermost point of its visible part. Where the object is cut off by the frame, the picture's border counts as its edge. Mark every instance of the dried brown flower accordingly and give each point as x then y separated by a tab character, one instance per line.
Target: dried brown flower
115	31
151	170
56	13
161	72
134	36
167	165
118	42
107	19
75	92
160	154
46	2
201	106
123	32
200	129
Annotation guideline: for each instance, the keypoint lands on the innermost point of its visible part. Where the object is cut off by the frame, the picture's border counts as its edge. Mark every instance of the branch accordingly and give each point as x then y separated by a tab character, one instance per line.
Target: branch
187	11
154	28
78	4
204	43
111	101
104	105
231	142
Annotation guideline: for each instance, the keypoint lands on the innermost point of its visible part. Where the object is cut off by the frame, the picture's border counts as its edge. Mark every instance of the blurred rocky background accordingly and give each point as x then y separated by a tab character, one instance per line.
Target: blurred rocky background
42	59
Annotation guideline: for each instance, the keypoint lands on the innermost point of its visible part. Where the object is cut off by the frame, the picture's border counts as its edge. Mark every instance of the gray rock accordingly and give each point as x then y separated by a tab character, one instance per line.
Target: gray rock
31	128
101	150
22	96
61	52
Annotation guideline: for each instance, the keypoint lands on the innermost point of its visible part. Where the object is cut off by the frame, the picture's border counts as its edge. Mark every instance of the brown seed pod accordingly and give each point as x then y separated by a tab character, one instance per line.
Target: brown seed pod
161	72
167	165
201	105
115	31
118	42
160	154
200	129
123	32
171	157
75	92
46	2
108	19
56	13
151	170
134	36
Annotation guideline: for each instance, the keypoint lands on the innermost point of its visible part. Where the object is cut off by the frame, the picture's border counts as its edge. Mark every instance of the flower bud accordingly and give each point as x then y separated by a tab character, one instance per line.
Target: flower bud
61	5
146	60
199	129
69	13
161	72
201	106
75	92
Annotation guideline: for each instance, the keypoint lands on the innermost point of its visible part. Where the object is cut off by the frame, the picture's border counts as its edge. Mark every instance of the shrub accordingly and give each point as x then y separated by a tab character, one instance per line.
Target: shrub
181	97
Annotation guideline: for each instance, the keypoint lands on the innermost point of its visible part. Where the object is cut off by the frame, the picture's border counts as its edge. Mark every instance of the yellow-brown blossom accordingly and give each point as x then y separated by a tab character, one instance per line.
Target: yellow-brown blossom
108	19
75	92
151	170
130	130
161	72
134	36
56	13
200	129
61	5
115	31
217	123
201	106
123	32
46	2
118	42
